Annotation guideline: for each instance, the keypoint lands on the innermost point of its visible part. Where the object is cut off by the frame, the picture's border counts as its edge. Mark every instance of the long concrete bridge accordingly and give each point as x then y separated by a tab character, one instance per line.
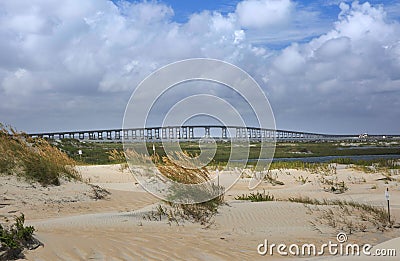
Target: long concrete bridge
195	133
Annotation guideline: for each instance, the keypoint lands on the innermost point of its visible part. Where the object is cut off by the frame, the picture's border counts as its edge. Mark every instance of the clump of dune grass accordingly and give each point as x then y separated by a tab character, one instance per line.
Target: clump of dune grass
348	216
256	197
118	156
182	168
33	158
334	185
181	204
308	200
303	180
174	213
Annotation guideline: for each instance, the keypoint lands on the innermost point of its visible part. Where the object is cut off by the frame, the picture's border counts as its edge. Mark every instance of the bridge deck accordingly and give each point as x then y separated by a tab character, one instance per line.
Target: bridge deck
197	132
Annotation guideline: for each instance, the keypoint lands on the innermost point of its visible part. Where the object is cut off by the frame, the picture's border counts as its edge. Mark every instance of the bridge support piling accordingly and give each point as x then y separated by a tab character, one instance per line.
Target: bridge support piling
117	135
224	133
191	133
238	133
149	134
207	132
185	132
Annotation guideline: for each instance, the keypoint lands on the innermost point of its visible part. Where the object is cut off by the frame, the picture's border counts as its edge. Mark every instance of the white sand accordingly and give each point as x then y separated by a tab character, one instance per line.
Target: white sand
74	226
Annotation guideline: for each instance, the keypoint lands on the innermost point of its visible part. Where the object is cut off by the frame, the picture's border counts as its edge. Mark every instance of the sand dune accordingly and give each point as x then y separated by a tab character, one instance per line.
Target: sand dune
74	226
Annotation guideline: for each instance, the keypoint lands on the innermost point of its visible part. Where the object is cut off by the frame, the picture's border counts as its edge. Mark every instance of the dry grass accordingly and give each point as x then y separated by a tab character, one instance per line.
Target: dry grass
348	216
33	159
118	156
256	197
313	168
333	185
183	169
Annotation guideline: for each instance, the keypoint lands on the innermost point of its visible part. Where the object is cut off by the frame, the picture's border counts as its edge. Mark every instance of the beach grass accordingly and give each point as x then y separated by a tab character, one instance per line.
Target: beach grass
33	158
181	204
256	197
347	215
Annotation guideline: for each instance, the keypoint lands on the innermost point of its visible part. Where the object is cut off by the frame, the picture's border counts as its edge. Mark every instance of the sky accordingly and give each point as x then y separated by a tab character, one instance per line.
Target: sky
325	65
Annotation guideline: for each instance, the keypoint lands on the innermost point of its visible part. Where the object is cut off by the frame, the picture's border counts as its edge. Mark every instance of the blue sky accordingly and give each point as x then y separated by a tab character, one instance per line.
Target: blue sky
183	9
326	10
325	66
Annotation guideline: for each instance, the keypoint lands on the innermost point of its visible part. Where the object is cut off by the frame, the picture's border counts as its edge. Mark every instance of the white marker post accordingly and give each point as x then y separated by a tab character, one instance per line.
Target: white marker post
154	149
80	154
387	199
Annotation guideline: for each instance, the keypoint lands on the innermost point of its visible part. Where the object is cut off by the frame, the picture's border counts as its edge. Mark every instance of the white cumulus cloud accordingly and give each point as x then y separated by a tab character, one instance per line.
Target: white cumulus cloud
263	13
352	71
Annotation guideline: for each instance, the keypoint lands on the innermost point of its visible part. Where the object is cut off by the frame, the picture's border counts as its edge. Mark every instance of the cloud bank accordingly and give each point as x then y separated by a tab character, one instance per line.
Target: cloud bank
73	64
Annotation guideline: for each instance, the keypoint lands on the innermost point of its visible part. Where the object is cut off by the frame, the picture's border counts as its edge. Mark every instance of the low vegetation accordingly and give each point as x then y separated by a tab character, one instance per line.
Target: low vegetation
314	168
256	197
303	180
348	216
273	179
15	238
374	163
333	185
307	149
33	158
201	213
95	152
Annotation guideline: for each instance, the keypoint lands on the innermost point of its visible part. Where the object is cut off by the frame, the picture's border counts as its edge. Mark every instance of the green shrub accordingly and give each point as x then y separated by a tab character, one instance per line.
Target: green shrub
15	238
